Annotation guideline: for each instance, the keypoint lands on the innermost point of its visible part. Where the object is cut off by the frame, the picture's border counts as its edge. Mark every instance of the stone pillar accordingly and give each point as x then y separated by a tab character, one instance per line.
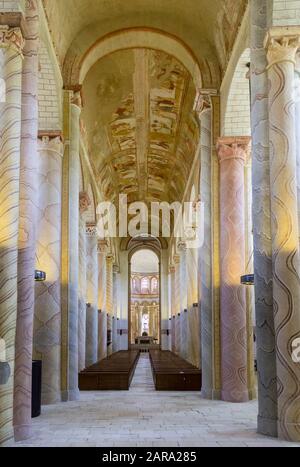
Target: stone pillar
233	153
27	225
102	321
47	316
172	300
92	296
109	299
183	301
205	254
11	43
193	321
177	304
70	246
265	335
84	203
282	46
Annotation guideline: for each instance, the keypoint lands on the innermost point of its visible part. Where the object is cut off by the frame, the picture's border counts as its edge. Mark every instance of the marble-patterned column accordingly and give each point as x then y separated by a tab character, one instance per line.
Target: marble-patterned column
265	334
205	254
183	300
47	314
11	44
282	46
177	304
92	296
84	203
70	246
172	301
102	321
109	299
193	311
27	225
233	153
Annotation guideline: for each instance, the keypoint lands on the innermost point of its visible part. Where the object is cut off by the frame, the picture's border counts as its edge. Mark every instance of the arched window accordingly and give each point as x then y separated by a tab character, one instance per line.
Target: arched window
145	285
154	285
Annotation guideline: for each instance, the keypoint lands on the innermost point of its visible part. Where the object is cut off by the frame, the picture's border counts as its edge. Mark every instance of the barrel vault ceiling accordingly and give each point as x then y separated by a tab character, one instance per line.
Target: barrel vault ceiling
138	120
141	131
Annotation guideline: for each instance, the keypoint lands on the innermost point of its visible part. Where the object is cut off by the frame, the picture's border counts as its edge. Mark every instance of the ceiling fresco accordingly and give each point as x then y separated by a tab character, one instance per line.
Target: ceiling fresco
141	131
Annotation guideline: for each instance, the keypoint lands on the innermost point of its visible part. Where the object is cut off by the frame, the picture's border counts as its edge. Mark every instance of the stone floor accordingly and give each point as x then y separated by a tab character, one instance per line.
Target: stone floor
145	418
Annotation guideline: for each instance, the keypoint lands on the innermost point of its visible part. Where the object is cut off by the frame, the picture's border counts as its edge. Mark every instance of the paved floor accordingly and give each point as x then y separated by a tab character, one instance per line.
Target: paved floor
145	418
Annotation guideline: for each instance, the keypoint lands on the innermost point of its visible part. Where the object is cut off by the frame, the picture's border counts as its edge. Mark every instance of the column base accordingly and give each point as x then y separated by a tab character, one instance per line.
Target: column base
289	431
51	398
70	396
211	394
22	432
235	397
252	394
267	426
6	436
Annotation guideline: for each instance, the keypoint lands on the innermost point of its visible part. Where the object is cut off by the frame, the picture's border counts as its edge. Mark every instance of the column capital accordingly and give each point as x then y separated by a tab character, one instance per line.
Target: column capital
51	142
84	202
203	101
233	148
103	246
282	44
176	259
12	38
172	269
91	229
182	246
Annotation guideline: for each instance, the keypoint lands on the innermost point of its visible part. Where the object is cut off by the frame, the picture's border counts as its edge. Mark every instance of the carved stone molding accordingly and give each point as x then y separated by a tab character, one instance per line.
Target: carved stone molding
84	202
282	45
234	148
12	38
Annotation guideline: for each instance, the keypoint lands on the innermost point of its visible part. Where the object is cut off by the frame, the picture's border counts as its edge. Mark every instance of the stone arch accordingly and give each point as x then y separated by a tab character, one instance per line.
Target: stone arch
77	65
238	113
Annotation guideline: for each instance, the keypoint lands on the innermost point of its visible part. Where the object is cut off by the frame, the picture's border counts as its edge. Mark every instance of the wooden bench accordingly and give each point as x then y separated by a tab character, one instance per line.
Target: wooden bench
173	373
112	373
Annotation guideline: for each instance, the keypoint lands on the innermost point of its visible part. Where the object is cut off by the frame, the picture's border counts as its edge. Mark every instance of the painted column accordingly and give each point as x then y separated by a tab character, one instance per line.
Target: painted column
102	320
84	203
70	246
177	305
92	296
172	291
27	225
282	46
109	300
114	322
233	153
265	334
183	300
47	315
205	254
193	310
11	44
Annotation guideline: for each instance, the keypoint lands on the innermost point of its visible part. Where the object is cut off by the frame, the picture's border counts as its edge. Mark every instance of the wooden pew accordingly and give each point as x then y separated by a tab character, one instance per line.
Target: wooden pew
173	373
112	373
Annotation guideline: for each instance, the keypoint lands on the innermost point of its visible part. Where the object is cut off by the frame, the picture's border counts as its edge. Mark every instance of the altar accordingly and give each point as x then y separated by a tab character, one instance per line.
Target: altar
145	344
145	340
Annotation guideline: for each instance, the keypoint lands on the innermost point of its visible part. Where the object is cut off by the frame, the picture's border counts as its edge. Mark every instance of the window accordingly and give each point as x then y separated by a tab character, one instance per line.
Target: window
154	285
145	285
